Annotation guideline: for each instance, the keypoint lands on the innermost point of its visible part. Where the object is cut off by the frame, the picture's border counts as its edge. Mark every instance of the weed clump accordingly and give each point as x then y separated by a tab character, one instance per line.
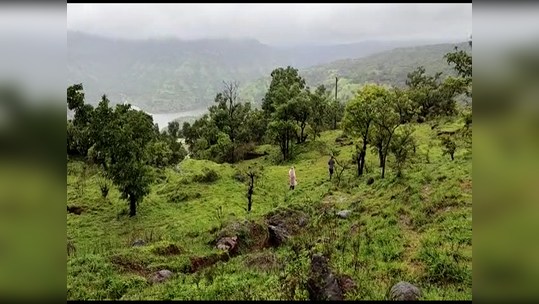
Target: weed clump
207	176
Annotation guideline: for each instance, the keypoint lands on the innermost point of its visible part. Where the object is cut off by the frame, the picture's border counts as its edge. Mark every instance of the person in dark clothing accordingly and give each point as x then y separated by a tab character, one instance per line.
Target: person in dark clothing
331	162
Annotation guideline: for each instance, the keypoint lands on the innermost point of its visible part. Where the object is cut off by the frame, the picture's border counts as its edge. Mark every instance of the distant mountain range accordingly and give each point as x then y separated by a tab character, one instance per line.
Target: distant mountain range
389	67
163	76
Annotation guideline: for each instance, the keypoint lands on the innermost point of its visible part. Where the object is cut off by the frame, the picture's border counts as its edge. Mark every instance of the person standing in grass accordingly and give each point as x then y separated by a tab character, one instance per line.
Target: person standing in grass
292	176
331	162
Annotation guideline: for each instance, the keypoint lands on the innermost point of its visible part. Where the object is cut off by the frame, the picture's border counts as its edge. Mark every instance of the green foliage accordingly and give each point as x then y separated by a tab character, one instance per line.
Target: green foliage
402	146
207	176
319	107
416	228
449	146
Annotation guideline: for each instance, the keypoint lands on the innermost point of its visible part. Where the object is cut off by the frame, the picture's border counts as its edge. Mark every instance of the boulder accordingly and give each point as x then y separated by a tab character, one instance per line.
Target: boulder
322	285
404	291
161	276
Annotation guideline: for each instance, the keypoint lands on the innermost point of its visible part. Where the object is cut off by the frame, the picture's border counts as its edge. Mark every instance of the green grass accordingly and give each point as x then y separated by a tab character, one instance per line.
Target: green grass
416	228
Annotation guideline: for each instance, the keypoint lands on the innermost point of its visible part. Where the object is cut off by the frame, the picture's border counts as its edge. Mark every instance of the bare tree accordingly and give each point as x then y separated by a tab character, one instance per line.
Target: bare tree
253	174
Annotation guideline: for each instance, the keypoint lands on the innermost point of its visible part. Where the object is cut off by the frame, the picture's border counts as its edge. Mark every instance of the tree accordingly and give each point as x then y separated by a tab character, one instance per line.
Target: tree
402	146
173	129
359	117
462	63
431	96
284	93
301	112
404	106
319	103
253	174
285	85
386	121
123	135
80	134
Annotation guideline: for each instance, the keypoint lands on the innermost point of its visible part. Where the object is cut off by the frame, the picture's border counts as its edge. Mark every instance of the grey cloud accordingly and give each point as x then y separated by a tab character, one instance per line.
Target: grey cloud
274	23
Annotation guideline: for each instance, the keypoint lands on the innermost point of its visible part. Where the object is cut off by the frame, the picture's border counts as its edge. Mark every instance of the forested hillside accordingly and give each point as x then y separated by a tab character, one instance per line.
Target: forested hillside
171	75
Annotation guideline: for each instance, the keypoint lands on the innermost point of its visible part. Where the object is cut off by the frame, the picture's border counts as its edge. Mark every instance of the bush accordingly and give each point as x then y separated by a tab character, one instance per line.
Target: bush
207	176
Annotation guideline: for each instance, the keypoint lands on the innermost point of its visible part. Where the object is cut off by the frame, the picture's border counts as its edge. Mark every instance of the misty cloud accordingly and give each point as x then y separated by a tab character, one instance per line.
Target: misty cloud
274	23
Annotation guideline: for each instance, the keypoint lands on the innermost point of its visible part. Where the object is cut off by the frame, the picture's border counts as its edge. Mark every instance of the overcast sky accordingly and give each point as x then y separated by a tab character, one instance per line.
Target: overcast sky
277	24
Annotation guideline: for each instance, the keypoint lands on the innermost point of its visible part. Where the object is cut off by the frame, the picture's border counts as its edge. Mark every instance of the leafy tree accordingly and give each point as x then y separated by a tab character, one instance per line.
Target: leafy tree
386	121
127	158
404	106
285	92
80	135
159	154
431	96
173	129
218	134
319	103
285	85
301	112
402	145
462	63
359	118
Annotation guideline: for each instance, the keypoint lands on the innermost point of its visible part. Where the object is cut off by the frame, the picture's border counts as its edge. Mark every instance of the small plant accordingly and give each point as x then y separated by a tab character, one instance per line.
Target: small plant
104	186
218	216
449	146
71	250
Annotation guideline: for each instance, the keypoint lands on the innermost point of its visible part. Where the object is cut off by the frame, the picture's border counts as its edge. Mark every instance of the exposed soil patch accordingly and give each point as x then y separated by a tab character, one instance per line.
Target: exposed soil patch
168	250
466	186
78	210
264	261
130	266
198	263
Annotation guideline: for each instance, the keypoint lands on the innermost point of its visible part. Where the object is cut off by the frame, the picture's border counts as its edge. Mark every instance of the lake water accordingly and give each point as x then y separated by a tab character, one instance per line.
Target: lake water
162	120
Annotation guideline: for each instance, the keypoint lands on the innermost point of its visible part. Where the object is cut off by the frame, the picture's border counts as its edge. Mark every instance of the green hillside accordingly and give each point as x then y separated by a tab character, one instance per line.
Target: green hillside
416	229
390	67
164	76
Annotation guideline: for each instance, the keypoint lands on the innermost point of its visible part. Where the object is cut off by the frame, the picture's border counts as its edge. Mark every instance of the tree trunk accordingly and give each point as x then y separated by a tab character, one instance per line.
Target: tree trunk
381	156
383	166
358	162
132	205
362	160
452	157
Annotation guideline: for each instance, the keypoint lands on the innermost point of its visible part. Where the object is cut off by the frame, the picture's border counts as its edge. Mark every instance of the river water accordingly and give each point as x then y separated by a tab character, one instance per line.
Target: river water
162	120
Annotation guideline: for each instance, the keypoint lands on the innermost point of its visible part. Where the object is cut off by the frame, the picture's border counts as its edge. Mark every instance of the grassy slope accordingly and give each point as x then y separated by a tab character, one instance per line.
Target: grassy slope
404	230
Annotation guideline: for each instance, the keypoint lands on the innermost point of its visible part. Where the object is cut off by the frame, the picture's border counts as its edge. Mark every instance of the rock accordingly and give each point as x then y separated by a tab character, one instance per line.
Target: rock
343	214
229	244
277	235
161	276
138	243
404	291
346	283
303	221
322	284
370	181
